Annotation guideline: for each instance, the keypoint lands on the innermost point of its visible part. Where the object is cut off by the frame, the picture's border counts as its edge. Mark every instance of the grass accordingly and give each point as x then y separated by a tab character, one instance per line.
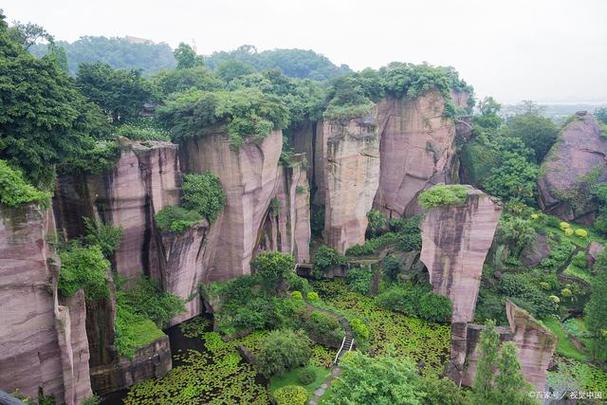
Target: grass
574	271
290	378
565	347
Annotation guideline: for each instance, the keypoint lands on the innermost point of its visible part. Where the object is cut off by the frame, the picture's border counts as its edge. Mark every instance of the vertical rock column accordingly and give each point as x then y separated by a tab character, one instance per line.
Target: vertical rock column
455	242
42	344
351	166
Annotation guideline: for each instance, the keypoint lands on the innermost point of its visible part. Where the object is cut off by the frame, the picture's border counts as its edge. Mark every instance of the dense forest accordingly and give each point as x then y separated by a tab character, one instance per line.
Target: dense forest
71	114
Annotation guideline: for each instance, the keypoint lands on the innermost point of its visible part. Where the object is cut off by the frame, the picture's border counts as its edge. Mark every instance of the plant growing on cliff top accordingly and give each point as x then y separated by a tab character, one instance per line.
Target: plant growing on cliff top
86	268
203	194
176	219
15	191
443	194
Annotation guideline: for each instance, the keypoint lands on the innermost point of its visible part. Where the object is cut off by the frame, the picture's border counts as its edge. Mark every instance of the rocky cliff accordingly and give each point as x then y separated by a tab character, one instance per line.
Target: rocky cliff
351	177
417	150
579	153
455	242
42	344
536	346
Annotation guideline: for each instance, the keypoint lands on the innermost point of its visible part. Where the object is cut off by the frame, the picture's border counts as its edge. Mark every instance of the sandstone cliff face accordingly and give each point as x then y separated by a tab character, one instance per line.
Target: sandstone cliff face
287	224
42	344
417	150
455	242
351	176
536	346
249	176
579	150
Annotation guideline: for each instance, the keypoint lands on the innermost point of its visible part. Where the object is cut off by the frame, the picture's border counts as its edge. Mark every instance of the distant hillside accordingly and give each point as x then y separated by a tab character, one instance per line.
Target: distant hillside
129	52
297	63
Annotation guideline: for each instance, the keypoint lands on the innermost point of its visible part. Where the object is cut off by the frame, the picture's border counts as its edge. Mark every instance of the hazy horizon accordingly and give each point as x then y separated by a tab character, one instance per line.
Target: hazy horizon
549	51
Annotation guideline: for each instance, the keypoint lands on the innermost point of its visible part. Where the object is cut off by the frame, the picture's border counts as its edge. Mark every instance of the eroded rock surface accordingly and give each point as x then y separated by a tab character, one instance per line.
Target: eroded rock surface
417	150
42	344
351	168
580	151
455	242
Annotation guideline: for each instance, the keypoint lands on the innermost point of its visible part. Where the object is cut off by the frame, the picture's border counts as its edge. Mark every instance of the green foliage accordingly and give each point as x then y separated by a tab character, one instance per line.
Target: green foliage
105	236
571	375
510	385
392	267
306	376
538	133
119	53
195	327
291	395
16	191
359	279
377	380
443	391
178	80
142	132
283	350
360	330
527	295
245	112
416	300
86	268
121	93
442	194
596	310
487	361
271	268
514	179
176	219
325	258
373	245
516	233
203	193
377	222
44	120
317	221
148	300
565	347
324	329
601	114
93	400
186	57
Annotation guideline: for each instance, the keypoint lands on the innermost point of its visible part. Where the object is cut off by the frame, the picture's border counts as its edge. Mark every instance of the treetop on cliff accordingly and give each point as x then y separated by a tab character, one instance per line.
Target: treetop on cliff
443	194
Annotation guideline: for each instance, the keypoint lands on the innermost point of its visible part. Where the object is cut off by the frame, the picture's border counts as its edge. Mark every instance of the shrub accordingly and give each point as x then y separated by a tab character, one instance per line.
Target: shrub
306	376
133	331
360	329
564	225
359	279
416	300
283	350
582	233
296	295
15	191
568	232
392	267
325	258
324	329
411	242
579	260
441	194
106	236
525	294
271	268
290	395
176	219
377	222
435	308
203	194
142	132
313	296
297	283
86	268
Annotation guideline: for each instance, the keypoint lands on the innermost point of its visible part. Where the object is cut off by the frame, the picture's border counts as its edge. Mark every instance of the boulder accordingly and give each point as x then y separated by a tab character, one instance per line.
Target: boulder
535	251
455	242
580	151
592	251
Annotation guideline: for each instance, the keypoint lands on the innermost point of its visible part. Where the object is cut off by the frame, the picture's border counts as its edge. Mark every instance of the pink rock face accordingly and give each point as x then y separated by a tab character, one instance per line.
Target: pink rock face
579	150
42	344
249	177
351	167
592	252
417	150
287	225
536	344
455	242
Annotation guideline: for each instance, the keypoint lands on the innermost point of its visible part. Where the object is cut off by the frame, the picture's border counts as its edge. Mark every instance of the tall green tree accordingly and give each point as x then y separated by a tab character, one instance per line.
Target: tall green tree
44	120
538	133
186	57
510	385
487	361
596	310
121	93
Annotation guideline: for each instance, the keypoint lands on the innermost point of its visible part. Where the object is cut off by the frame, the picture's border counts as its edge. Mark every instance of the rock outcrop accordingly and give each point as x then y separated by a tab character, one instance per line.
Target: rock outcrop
536	346
351	177
580	151
455	242
249	176
42	344
417	150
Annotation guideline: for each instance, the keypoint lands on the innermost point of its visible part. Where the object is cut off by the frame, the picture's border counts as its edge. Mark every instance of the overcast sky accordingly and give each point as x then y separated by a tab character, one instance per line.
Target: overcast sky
544	50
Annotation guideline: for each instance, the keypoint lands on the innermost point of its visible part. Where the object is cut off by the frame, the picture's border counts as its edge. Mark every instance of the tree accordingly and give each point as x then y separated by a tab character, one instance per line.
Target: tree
283	350
44	120
537	133
176	80
596	310
186	57
121	93
489	109
601	114
271	268
487	361
204	194
28	34
510	385
381	380
233	69
514	179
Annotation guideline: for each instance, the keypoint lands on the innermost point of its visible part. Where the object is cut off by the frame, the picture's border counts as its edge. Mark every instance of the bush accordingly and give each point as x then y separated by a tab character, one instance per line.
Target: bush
86	268
291	395
360	330
525	294
142	133
283	350
325	258
441	194
324	329
133	331
579	260
296	295
176	219
313	296
377	222
392	267
582	233
297	283
203	193
15	191
106	236
359	279
271	268
306	376
435	308
416	300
